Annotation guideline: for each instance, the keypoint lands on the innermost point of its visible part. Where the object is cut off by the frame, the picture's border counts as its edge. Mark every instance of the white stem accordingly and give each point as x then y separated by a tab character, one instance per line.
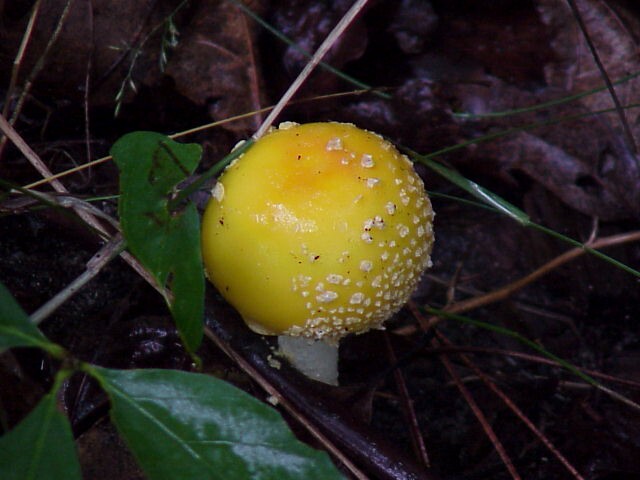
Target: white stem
317	360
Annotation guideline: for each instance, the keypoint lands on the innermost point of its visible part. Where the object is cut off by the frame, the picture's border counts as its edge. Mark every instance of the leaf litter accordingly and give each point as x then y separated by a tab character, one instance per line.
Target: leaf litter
459	57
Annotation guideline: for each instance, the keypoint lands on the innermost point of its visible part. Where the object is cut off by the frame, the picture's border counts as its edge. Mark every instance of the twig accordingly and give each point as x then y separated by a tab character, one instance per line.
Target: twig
87	85
26	150
33	158
69	201
620	398
134	39
19	57
534	358
516	410
35	71
191	131
508	290
338	30
135	53
107	253
278	34
254	84
416	435
497	444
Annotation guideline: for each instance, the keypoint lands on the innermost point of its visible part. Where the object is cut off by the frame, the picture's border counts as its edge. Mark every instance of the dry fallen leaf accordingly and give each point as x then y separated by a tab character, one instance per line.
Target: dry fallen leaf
586	162
216	63
614	32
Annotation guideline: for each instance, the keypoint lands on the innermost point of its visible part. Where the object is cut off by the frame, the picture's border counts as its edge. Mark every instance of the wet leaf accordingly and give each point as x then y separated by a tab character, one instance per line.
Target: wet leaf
166	239
41	447
15	328
612	29
566	175
193	426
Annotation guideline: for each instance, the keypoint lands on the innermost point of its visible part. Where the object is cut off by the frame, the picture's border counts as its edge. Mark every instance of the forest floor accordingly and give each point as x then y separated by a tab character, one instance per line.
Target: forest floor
461	398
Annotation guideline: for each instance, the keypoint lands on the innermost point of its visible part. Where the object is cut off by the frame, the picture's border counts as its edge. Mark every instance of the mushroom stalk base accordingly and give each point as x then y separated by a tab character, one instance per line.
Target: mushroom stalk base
316	359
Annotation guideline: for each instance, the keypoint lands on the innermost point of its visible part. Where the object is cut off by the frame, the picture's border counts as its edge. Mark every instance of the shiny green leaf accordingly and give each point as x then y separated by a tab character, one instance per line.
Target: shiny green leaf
193	426
163	236
15	328
40	447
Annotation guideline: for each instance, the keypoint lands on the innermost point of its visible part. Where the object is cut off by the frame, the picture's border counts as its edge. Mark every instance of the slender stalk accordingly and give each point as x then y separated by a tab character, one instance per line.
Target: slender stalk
491	385
338	30
277	33
20	55
59	187
36	70
107	253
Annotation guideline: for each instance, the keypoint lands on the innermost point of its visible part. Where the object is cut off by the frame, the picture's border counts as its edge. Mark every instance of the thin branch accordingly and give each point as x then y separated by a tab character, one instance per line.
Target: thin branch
26	150
137	51
87	84
107	253
417	438
35	71
516	410
252	72
90	219
533	358
338	30
17	62
497	444
134	39
510	289
506	291
288	41
191	131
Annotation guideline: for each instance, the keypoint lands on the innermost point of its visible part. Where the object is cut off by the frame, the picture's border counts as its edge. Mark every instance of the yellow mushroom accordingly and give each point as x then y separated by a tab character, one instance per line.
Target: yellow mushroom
318	231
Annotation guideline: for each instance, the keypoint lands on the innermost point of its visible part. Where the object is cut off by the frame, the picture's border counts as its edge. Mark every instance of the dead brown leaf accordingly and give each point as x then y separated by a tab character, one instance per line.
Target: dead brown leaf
573	180
586	162
614	33
217	64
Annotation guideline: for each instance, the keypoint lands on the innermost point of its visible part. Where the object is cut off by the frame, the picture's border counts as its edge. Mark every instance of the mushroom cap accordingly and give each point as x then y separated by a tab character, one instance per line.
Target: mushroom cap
318	230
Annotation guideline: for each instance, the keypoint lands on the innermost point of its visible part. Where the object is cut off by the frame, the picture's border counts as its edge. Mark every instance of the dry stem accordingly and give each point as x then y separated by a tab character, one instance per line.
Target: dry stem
509	289
338	30
107	253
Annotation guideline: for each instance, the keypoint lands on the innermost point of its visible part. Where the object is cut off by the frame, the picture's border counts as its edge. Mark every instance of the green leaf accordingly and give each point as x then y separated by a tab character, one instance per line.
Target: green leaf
164	239
16	330
40	447
193	426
